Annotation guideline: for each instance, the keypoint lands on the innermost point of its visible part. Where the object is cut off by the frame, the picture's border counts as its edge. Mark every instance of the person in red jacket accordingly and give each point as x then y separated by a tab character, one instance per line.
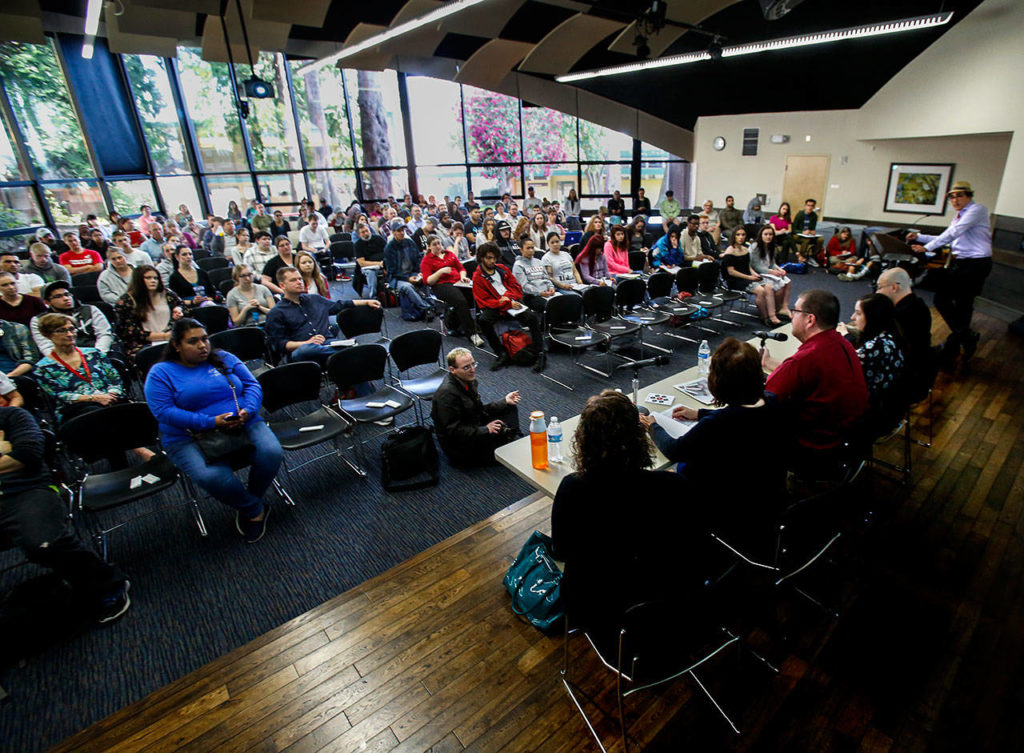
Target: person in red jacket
498	295
822	382
442	271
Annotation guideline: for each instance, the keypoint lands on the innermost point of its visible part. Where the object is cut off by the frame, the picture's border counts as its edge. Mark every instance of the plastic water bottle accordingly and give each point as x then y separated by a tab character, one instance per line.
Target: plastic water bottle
554	441
538	441
704	358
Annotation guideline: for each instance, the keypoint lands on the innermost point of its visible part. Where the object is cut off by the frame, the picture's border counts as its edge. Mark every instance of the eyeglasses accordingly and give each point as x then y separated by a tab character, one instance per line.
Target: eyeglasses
66	330
468	366
795	310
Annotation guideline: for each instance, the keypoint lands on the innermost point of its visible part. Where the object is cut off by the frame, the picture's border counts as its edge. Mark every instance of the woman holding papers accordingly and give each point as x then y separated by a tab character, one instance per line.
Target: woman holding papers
442	271
622	530
762	261
591	262
738	276
616	251
667	252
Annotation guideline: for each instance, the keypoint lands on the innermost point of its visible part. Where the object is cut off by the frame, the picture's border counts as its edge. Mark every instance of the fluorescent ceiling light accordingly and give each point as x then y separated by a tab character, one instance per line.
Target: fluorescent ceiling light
804	40
388	34
92	17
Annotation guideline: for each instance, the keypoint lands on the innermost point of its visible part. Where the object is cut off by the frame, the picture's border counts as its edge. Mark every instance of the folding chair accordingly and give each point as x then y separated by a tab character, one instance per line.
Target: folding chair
419	348
213	262
146	358
599	307
219	275
710	293
247	344
565	325
363	320
286	386
637	261
629	300
214	318
90	437
86	294
85	279
686	281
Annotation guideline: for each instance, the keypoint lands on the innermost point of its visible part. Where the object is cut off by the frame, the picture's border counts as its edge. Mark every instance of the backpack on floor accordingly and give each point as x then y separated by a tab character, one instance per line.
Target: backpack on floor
519	347
410	311
409	460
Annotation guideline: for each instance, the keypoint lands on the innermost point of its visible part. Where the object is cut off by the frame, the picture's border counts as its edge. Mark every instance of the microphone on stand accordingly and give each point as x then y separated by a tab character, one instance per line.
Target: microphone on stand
655	361
777	336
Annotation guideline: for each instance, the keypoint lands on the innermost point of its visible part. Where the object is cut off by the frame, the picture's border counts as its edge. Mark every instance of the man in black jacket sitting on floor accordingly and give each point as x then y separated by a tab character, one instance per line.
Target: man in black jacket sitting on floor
468	430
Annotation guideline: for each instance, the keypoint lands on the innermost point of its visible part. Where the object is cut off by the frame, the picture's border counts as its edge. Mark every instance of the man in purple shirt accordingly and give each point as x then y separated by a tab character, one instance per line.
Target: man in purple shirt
970	238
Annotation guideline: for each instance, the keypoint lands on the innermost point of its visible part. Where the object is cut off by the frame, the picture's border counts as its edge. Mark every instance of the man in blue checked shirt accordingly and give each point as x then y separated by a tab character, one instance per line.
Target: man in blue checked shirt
970	237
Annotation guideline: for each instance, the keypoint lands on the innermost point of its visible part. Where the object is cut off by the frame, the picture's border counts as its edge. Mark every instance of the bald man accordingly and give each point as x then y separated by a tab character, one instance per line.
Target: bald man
912	315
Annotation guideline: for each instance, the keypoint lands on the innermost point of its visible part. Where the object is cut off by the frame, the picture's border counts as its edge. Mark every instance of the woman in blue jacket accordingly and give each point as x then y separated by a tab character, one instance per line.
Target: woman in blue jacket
195	389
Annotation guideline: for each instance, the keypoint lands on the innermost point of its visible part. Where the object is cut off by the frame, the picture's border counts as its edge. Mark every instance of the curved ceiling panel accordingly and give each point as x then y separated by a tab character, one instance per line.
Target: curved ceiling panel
489	65
557	52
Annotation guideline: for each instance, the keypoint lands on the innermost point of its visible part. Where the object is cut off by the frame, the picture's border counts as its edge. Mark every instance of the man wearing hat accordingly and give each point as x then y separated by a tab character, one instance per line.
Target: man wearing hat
45	235
94	330
402	261
969	236
669	209
508	245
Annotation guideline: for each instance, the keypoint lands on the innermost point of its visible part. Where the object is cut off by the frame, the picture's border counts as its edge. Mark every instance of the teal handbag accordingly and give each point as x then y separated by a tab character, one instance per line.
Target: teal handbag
534	582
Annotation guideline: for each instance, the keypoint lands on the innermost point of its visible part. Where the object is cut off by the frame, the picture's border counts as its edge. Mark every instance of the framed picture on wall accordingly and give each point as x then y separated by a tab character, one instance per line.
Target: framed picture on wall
917	189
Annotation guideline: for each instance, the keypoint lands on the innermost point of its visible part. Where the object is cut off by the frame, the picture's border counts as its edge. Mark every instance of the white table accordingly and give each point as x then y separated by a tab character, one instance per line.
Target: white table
516	455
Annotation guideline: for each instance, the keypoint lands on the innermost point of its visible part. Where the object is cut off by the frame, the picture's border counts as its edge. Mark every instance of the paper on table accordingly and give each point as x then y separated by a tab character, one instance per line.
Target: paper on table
518	311
467	284
579	286
697	389
673	428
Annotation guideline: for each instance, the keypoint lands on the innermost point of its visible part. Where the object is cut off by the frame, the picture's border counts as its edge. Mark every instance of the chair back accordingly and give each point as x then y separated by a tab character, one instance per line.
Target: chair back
107	310
416	348
217	276
599	301
343	250
225	286
637	261
335	237
360	320
214	318
361	363
213	262
36	400
751	232
93	435
200	253
470	266
564	311
146	357
629	293
659	285
686	279
86	293
708	276
297	382
244	343
84	279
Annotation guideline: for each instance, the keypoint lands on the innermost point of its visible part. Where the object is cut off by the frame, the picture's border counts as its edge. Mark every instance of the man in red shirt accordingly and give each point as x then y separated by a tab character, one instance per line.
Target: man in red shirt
822	381
499	295
78	260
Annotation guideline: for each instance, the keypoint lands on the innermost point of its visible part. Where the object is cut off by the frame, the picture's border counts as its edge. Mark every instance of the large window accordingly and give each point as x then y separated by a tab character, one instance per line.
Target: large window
548	135
435	109
18	208
271	124
211	105
492	126
151	90
11	165
129	195
323	117
376	118
42	107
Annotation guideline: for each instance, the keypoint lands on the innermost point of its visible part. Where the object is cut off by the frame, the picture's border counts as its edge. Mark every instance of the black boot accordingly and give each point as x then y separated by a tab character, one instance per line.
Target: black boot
503	360
542	362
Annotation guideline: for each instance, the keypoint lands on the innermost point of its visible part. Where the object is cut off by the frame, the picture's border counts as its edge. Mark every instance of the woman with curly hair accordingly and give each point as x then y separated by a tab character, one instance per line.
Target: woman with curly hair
619	527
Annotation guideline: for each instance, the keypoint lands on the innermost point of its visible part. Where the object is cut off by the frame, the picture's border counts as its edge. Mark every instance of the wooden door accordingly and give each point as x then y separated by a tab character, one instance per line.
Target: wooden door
806	178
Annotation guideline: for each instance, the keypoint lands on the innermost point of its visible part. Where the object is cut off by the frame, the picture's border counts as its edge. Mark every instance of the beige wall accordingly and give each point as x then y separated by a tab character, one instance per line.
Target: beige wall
858	169
959	101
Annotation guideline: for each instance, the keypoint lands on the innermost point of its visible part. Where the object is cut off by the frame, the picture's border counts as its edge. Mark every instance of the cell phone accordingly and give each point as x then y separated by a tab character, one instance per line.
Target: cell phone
233	417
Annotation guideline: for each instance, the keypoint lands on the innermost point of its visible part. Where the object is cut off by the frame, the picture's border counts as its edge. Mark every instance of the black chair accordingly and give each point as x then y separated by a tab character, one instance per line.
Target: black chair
214	318
659	286
37	402
146	357
637	261
343	254
599	308
565	325
86	293
687	281
247	344
91	437
365	363
363	320
710	293
286	386
200	253
470	266
335	237
420	347
225	286
107	310
629	300
219	275
213	262
85	279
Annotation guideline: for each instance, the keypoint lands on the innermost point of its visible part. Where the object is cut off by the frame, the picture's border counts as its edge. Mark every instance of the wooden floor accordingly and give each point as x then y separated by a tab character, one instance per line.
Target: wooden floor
926	654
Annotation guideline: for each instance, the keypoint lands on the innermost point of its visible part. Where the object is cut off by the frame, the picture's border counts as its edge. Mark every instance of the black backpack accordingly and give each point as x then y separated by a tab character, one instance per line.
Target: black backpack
409	460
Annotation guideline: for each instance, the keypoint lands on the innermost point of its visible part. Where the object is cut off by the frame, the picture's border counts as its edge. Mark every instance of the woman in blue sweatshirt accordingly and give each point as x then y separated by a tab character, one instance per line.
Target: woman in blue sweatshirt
196	389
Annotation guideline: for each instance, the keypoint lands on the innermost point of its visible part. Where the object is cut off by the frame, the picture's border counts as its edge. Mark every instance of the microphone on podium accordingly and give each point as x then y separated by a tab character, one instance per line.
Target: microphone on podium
655	361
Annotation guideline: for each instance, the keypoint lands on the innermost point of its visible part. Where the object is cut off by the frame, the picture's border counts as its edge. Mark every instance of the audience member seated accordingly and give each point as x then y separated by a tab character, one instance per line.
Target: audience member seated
146	312
17	352
533	277
34	518
637	234
612	519
616	251
369	253
234	213
591	262
167	265
188	396
153	245
804	224
15	307
762	261
299	327
696	247
146	219
508	246
280	226
224	239
738	276
191	283
258	256
402	262
641	204
595	226
667	252
498	295
442	271
617	207
782	223
236	254
312	277
754	215
92	330
468	430
115	279
248	302
285	258
9	395
559	266
843	259
822	384
711	454
45	236
669	209
708	242
459	243
78	260
707	209
881	356
40	263
135	257
913	318
261	220
27	283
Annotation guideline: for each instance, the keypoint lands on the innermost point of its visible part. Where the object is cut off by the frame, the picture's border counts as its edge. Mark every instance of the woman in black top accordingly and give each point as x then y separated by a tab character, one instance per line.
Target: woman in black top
626	533
191	284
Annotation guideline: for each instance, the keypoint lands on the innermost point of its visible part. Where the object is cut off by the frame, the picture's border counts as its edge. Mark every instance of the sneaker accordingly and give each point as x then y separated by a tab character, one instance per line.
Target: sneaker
477	341
813	263
429	315
503	360
385	421
344	277
862	273
114	604
253	530
846	277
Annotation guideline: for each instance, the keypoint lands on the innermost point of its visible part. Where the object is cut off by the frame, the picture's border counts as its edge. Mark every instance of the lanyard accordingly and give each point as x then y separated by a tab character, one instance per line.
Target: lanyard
87	377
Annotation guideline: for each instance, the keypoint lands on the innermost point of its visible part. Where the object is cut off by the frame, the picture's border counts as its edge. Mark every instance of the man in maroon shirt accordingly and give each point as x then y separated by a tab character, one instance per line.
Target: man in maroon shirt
15	307
822	381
